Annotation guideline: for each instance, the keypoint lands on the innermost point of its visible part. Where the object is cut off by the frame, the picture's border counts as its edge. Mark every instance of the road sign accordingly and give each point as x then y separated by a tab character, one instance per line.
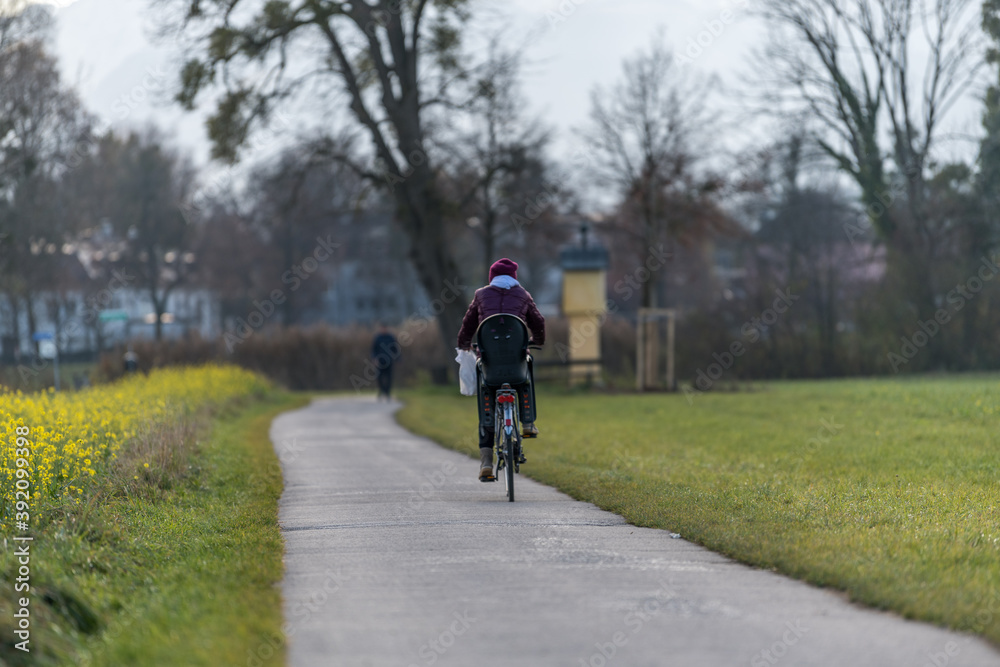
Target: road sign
113	316
47	348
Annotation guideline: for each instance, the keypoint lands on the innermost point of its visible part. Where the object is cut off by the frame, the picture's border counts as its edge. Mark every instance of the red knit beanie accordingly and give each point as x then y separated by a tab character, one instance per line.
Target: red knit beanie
503	267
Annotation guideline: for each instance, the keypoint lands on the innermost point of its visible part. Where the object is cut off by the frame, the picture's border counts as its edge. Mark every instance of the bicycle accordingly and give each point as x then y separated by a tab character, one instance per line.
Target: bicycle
504	362
507	437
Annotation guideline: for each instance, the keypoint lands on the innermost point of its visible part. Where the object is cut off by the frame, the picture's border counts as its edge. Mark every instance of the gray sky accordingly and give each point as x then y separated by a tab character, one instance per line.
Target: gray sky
122	75
570	45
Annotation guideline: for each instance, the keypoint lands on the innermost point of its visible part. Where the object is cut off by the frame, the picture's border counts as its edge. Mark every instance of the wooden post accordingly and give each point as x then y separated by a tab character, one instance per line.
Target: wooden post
640	356
648	347
652	353
671	327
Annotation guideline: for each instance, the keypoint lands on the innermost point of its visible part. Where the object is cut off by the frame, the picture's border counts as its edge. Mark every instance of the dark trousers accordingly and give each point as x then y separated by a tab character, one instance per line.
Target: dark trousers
527	411
384	380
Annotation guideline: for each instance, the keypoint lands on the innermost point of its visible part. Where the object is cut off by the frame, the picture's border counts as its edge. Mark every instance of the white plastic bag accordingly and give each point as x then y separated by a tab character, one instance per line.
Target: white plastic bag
466	372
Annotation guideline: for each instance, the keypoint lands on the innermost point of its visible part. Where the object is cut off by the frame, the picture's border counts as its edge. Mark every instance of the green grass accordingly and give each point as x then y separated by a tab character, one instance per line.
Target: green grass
186	576
885	489
30	375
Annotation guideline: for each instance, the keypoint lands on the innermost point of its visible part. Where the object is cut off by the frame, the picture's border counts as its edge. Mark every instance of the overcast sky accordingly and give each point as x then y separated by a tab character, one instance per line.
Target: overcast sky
570	45
106	52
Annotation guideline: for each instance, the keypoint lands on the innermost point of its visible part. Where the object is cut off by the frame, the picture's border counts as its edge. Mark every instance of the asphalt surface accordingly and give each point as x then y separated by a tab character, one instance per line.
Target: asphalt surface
397	555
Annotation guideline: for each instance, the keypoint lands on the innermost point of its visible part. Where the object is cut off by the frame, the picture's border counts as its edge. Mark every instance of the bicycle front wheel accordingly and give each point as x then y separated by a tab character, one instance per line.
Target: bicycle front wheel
508	464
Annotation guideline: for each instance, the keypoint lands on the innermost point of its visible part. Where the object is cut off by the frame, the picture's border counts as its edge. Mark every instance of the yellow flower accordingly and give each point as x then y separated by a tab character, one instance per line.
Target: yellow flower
71	437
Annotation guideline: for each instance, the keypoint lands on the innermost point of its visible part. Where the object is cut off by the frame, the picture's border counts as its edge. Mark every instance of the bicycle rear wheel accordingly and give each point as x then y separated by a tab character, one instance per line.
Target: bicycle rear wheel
508	464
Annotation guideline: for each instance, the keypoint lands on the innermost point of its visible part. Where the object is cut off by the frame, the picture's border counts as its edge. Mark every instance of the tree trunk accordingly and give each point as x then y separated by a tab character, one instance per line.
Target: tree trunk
29	303
159	306
99	339
288	248
915	278
431	255
827	319
489	243
968	357
15	311
649	296
413	179
443	283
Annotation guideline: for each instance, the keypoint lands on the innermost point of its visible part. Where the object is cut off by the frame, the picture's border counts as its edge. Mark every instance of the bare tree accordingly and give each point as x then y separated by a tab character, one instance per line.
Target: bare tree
146	188
20	21
41	122
498	164
296	199
804	245
645	133
855	67
392	60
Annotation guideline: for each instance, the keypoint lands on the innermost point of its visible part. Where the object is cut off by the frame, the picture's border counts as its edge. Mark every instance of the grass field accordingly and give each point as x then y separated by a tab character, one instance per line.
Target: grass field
885	489
207	560
184	573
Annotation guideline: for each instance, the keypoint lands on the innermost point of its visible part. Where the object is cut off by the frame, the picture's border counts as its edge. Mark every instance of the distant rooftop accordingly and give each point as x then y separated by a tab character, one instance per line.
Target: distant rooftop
591	258
587	256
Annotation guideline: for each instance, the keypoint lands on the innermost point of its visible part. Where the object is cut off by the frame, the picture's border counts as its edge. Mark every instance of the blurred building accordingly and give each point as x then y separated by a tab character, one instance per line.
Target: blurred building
83	326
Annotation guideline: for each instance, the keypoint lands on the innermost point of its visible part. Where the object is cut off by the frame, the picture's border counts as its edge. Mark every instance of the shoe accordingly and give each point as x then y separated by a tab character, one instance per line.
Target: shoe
529	431
486	465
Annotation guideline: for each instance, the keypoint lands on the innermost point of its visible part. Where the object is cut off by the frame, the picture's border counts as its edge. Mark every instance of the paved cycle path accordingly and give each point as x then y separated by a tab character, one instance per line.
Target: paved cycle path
398	556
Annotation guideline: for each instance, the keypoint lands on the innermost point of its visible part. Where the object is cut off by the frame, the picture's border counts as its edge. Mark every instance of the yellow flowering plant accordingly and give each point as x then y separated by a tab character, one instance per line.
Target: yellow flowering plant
53	444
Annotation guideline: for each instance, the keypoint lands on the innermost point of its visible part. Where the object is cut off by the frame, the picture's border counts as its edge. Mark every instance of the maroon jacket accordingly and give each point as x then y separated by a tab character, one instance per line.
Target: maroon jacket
491	300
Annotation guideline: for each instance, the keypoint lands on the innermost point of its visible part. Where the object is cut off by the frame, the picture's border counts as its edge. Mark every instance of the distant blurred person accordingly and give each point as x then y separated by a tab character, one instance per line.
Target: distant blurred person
385	352
130	360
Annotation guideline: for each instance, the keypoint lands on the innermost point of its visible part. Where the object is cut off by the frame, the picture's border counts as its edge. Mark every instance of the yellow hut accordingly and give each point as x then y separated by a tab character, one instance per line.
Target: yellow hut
584	304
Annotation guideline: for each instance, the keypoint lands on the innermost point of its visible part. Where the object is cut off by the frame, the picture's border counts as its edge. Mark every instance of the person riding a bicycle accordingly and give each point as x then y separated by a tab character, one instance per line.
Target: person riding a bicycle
504	295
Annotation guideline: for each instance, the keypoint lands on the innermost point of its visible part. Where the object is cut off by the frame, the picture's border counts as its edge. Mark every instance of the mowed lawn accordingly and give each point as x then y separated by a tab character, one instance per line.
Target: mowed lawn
886	489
